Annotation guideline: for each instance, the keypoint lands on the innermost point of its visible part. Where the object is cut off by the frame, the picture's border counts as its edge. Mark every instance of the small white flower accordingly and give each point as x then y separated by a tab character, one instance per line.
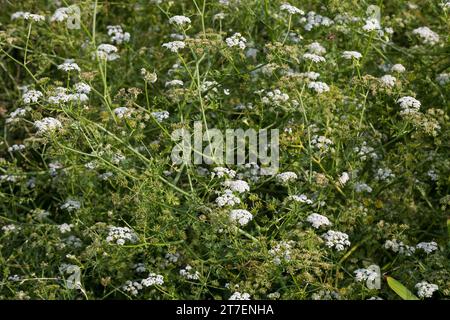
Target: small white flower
286	177
63	228
316	48
60	14
117	35
336	239
399	247
120	235
388	81
179	20
223	172
428	247
47	125
16	147
291	9
301	198
425	289
409	105
227	199
122	112
343	179
318	220
153	279
69	65
236	40
443	79
106	52
161	115
319	87
237	185
427	35
240	296
71	205
189	274
349	55
240	216
371	25
399	68
174	83
174	46
27	16
313	57
31	96
281	252
82	87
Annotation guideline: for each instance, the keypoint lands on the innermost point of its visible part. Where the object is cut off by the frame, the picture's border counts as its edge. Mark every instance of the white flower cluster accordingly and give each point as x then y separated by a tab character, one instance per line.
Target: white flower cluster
240	296
313	57
240	216
281	252
61	95
69	65
161	115
384	174
301	198
27	16
132	287
189	274
425	289
321	143
123	112
60	14
48	124
106	52
388	81
318	87
275	97
427	35
71	205
236	40
362	187
227	199
443	79
286	177
428	247
153	279
291	9
174	46
120	235
344	178
65	227
15	115
316	48
399	247
221	172
179	20
174	83
239	186
313	20
311	75
350	55
117	35
409	105
336	239
16	147
365	274
371	24
9	228
31	96
318	220
365	152
399	68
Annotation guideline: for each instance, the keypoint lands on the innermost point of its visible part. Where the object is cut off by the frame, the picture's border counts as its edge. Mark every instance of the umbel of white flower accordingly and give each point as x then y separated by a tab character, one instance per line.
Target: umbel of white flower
48	124
336	239
240	216
318	220
291	9
236	40
174	46
179	20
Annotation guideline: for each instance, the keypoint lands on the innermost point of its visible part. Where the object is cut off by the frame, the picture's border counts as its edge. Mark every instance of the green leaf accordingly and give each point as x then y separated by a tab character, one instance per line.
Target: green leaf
400	289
